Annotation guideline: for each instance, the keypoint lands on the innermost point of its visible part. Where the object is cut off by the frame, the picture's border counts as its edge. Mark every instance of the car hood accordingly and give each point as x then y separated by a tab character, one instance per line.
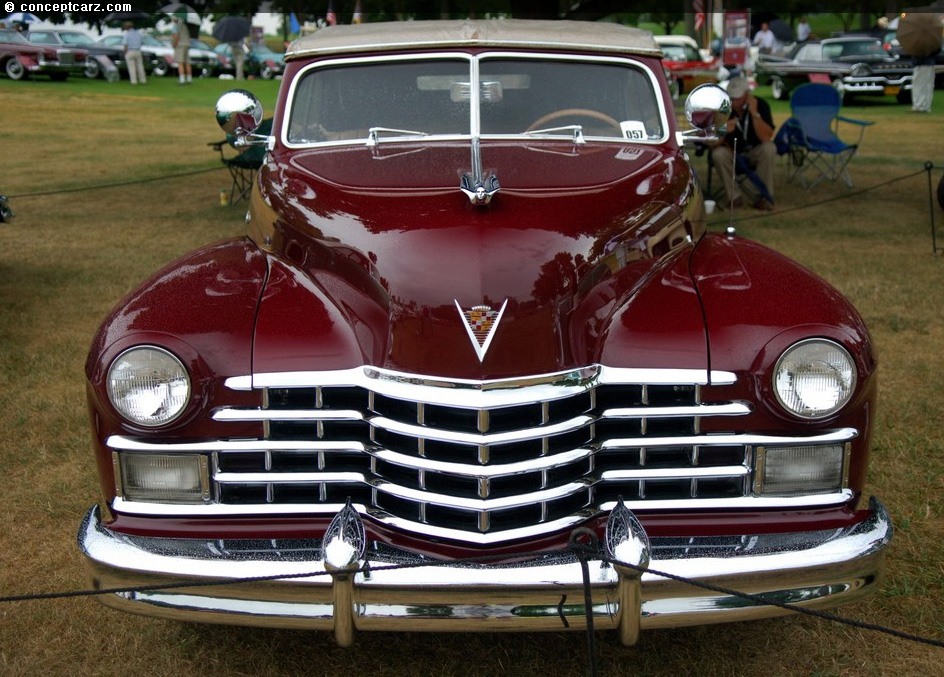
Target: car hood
381	246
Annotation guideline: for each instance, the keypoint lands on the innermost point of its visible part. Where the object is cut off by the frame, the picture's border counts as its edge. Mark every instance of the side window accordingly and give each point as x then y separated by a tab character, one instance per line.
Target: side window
810	53
42	38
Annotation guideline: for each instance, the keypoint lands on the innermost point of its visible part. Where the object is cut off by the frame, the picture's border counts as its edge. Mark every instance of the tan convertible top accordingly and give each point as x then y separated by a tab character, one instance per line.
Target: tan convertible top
548	35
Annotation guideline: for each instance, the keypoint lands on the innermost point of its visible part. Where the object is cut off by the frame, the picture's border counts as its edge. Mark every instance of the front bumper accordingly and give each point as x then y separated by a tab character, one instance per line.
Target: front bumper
404	592
876	85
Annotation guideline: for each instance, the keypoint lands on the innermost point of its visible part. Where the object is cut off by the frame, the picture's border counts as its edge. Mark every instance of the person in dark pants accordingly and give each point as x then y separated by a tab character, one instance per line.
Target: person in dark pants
749	143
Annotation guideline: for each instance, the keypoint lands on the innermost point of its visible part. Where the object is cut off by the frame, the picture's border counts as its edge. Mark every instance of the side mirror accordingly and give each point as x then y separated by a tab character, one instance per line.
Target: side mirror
239	114
707	108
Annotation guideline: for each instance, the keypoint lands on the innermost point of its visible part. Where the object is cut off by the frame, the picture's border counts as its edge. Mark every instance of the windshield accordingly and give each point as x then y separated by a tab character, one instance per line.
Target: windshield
680	53
76	39
542	97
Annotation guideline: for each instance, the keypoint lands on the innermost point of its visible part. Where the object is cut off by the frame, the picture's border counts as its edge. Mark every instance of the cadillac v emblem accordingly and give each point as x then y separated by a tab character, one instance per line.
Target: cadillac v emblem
481	323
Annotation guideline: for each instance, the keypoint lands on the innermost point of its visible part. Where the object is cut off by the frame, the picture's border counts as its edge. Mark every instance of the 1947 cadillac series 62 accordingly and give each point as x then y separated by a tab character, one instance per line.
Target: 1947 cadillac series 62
477	320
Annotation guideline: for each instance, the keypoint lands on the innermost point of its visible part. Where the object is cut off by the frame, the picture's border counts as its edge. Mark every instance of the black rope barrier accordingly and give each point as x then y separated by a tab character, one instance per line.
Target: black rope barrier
819	203
116	184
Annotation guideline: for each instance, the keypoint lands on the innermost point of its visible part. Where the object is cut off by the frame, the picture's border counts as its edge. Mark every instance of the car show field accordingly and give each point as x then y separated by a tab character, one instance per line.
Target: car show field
97	213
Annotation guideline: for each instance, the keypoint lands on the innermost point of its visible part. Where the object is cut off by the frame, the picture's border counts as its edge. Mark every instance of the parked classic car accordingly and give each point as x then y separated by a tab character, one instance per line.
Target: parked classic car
101	57
162	55
854	65
260	60
478	334
685	67
212	63
19	59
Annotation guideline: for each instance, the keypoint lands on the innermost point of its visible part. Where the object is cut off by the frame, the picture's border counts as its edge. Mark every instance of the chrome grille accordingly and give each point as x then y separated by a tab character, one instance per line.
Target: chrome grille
483	457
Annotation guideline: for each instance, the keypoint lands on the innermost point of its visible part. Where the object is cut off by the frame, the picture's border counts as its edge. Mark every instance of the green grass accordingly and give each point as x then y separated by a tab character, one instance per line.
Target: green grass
68	257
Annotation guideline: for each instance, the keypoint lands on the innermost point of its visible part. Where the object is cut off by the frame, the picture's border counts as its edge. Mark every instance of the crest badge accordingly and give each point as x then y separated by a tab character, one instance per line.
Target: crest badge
481	322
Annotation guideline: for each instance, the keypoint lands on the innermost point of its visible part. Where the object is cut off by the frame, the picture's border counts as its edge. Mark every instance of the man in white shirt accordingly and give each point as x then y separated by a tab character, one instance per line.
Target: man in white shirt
765	39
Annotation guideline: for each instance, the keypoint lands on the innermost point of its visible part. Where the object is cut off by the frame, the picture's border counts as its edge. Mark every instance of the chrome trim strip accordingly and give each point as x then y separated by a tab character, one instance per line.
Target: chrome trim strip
287	478
732	409
543	529
737	439
483	471
121	443
472	394
246	414
676	473
482	505
526	434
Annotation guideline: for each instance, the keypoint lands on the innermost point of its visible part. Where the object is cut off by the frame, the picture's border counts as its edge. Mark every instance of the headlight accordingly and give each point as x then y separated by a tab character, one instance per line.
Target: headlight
814	378
148	386
860	70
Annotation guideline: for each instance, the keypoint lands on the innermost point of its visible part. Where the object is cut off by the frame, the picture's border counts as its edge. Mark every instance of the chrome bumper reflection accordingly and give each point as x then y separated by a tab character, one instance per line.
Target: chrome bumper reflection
405	592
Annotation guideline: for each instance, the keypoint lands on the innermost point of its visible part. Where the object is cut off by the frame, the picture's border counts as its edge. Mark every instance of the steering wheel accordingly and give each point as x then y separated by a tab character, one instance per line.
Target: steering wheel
543	121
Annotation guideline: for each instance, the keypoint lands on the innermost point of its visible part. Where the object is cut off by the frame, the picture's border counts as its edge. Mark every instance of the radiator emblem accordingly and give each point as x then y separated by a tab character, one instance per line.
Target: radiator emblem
481	322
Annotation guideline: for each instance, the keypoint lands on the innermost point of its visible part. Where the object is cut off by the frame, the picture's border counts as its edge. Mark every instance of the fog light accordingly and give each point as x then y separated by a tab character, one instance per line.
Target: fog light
786	471
165	478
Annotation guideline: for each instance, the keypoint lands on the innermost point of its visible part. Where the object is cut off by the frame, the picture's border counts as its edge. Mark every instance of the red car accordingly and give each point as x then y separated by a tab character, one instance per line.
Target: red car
19	59
684	64
477	337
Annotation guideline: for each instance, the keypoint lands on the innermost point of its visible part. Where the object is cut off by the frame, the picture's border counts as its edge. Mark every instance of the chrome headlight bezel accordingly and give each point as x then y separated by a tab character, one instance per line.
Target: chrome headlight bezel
814	378
148	386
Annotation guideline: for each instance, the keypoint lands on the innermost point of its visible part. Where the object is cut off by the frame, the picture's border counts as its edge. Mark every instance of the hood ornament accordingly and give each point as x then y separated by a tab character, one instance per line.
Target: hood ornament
478	187
481	322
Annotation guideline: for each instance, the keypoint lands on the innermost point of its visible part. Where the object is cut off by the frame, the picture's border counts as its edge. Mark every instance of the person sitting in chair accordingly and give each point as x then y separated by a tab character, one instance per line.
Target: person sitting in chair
747	147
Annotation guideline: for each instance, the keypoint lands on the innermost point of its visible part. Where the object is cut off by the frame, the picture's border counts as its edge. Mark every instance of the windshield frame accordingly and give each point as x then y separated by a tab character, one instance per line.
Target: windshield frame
474	64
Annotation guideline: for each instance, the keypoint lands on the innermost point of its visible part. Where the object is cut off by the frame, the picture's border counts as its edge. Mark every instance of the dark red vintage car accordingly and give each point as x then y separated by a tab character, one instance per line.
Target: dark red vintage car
19	59
478	334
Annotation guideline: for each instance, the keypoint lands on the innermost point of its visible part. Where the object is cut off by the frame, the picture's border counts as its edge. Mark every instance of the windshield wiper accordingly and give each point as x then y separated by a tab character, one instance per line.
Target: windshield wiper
373	134
576	129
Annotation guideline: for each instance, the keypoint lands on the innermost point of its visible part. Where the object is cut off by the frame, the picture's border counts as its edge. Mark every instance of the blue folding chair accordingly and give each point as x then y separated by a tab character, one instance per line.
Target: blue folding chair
811	136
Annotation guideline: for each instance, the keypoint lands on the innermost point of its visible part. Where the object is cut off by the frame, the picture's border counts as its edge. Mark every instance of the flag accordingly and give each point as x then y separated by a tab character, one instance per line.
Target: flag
358	15
699	7
293	25
331	18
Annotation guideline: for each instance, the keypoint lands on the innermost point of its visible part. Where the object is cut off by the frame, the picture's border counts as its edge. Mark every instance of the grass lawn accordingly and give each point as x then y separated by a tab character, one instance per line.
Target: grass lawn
110	181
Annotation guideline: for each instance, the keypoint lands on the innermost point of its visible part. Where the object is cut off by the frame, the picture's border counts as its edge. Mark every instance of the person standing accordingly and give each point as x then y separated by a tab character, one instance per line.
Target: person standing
181	42
134	59
239	58
749	143
922	83
803	30
765	39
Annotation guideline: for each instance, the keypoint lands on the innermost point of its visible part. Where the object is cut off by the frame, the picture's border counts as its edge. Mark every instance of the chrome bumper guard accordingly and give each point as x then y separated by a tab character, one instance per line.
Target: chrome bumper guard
345	584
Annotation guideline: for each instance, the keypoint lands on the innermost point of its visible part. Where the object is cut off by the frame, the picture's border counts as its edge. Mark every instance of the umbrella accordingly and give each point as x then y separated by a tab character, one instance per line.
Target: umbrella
231	29
781	30
20	17
183	12
919	33
120	17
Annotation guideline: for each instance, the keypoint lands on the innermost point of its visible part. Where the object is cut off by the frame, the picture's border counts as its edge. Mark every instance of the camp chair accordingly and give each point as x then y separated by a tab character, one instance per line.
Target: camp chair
810	138
242	166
